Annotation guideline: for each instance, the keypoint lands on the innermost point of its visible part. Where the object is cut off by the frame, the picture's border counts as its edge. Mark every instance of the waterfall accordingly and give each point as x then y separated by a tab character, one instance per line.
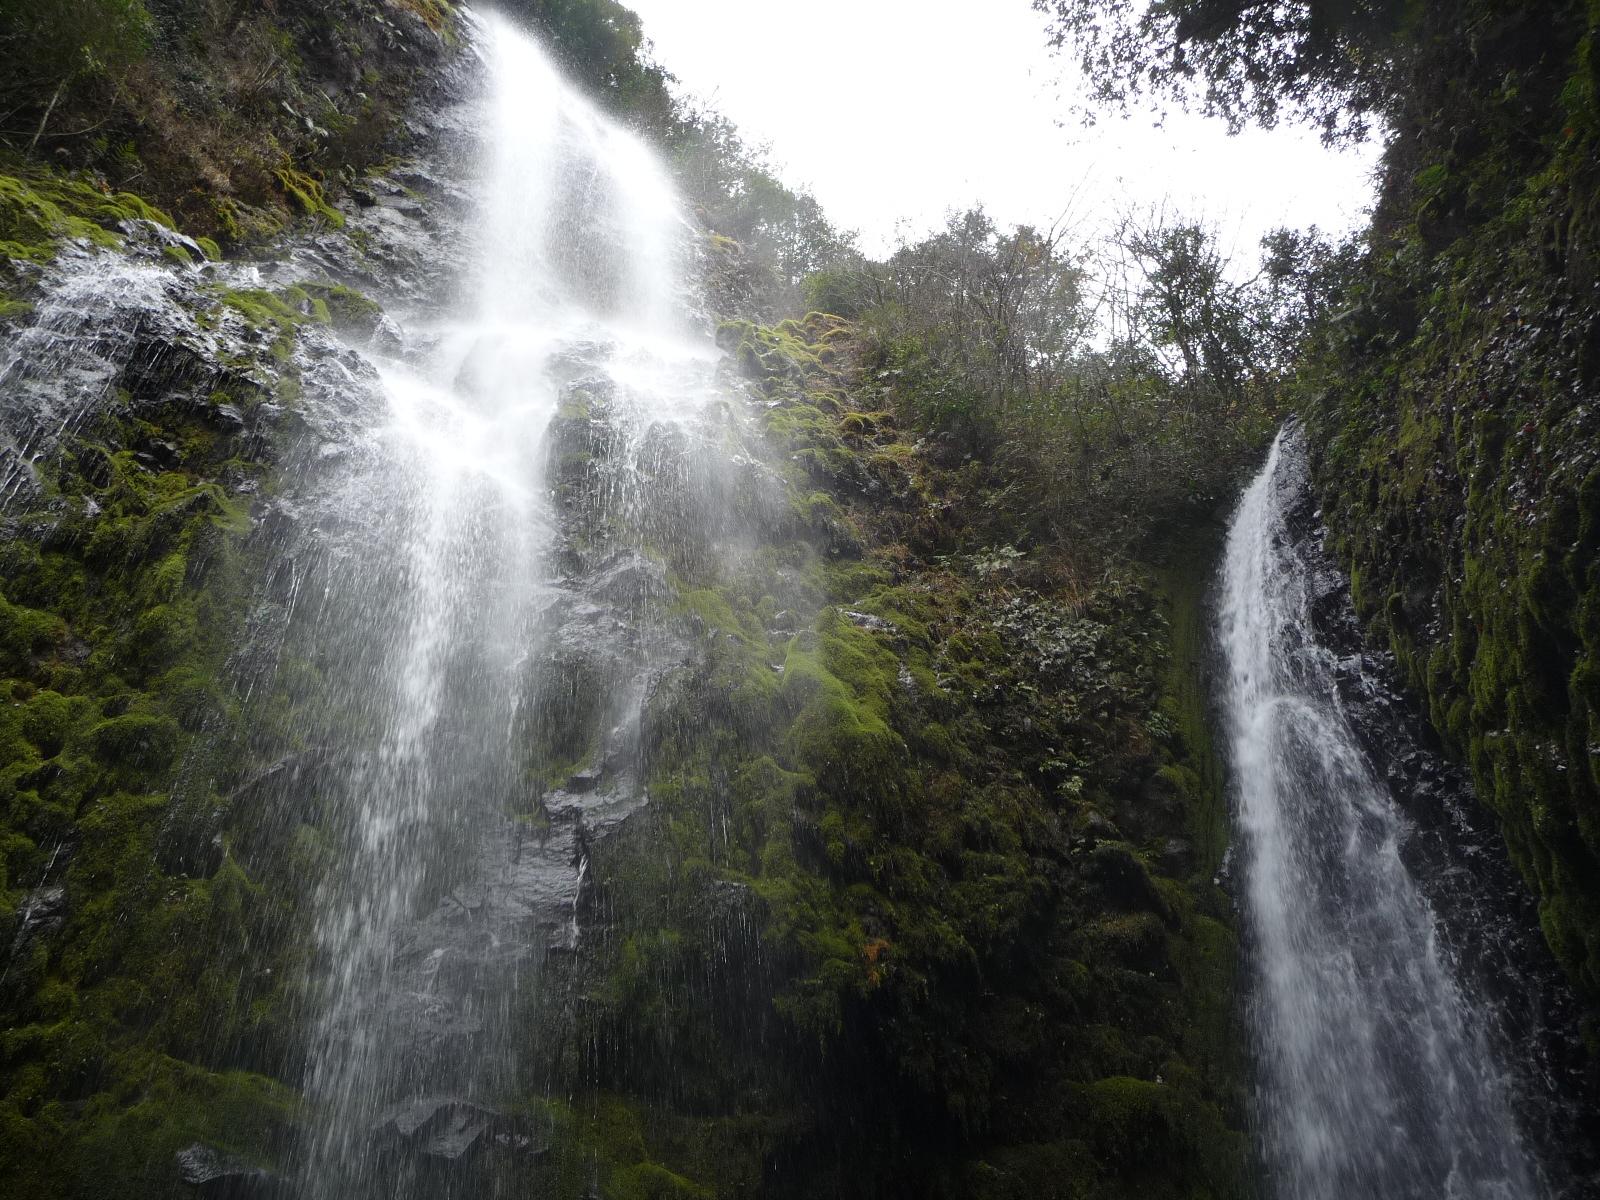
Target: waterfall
1380	1071
476	630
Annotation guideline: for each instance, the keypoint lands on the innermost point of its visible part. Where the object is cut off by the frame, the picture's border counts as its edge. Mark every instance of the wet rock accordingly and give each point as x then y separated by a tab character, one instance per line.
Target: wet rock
868	621
595	814
387	337
444	1127
631	578
586	780
213	1172
417	179
451	1129
43	912
229	418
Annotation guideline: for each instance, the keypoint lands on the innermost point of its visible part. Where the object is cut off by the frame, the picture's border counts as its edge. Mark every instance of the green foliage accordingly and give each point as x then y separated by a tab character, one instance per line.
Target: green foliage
306	192
143	1014
1338	67
40	208
1116	391
903	902
784	234
66	51
236	118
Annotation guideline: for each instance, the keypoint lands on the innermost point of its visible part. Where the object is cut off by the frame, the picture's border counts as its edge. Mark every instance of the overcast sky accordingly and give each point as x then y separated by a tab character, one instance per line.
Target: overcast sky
898	110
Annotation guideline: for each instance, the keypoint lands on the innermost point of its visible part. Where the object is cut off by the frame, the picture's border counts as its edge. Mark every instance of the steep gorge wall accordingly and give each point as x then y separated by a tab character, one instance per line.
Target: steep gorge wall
923	902
1458	430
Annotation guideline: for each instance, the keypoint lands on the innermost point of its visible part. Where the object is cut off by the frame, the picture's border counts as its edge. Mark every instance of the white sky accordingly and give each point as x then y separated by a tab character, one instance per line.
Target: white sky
900	110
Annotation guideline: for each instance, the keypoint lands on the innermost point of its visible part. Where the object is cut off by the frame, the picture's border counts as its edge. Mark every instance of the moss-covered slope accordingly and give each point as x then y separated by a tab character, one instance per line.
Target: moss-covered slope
236	117
923	900
144	974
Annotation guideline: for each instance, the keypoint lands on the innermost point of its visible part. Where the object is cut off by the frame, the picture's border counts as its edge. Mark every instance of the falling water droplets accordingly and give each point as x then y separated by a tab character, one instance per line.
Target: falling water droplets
483	632
1378	1075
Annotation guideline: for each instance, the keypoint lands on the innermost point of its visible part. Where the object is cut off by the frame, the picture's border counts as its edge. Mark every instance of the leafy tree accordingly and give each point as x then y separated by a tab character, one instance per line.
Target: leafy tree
1334	63
1304	274
52	49
736	193
1004	309
1109	389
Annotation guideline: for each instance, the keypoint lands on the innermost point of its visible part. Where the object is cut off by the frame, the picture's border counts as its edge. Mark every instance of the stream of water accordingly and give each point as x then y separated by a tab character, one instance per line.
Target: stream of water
472	549
1384	1011
476	653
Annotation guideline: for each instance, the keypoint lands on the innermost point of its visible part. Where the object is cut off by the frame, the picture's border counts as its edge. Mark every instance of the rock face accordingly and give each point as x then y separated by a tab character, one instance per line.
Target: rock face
1456	436
827	857
213	1173
1521	1005
450	1130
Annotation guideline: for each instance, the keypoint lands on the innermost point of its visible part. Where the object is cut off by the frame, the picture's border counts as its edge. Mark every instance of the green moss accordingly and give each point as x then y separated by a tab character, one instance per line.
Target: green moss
123	599
40	209
1468	524
344	307
307	195
861	880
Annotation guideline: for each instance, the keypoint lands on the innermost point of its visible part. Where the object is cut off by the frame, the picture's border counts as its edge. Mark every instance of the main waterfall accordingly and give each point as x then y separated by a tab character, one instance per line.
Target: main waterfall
479	654
1385	1071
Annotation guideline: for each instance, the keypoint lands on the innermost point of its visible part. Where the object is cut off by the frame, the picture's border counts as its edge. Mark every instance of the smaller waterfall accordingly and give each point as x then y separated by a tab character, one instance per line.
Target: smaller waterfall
1379	1076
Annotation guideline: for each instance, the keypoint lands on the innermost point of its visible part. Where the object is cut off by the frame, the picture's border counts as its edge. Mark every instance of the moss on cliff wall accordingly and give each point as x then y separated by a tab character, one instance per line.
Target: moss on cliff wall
141	984
923	902
234	117
1459	445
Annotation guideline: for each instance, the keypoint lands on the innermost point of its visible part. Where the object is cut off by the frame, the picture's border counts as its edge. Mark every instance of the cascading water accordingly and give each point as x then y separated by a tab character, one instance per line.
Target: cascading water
1385	1071
90	320
459	761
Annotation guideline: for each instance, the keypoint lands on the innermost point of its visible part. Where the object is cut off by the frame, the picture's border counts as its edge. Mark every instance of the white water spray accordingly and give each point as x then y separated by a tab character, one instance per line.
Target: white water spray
1377	1078
453	877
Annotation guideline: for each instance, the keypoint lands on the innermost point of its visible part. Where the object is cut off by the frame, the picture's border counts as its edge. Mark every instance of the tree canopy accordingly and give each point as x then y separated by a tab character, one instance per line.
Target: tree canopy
1332	63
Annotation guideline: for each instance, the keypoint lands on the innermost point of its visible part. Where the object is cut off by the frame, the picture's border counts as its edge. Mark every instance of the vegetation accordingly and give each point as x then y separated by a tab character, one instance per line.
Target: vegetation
1457	450
923	902
1339	66
233	117
1444	376
941	863
39	209
129	921
1117	390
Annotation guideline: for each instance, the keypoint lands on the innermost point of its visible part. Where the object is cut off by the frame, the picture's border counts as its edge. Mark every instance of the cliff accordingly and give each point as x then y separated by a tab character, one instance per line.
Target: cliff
1458	451
915	889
